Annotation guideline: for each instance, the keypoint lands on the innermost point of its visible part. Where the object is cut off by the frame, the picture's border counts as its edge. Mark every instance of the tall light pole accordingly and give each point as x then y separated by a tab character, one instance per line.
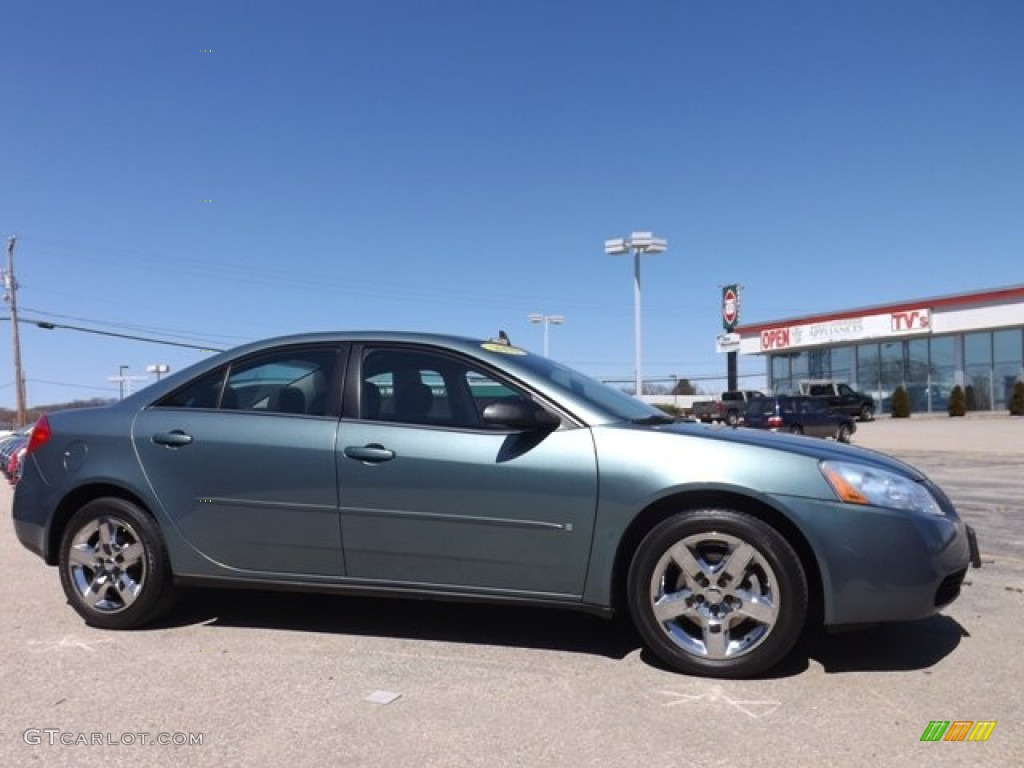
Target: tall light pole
548	320
121	378
639	243
11	296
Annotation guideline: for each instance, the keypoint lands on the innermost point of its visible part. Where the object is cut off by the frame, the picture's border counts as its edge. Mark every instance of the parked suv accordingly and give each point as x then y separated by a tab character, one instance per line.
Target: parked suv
800	415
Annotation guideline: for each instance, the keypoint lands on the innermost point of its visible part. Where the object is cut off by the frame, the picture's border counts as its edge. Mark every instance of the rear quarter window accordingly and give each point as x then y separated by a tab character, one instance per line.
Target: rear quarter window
759	407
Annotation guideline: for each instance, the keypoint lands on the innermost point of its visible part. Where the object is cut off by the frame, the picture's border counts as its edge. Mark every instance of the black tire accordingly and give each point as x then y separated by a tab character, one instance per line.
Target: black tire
759	611
119	575
867	413
843	433
732	418
796	429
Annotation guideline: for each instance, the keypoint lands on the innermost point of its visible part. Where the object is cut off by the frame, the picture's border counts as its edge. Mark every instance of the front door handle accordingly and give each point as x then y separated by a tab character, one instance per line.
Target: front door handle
173	439
374	453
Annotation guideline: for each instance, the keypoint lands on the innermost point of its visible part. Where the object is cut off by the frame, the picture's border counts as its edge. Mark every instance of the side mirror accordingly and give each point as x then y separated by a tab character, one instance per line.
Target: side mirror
521	414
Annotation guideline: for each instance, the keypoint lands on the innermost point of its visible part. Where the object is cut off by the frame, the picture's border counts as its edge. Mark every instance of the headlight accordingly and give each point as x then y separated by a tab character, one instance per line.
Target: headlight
863	484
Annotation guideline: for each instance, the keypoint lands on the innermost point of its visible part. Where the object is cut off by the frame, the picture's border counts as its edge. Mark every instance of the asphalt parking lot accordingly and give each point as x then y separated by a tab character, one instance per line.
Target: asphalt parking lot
278	679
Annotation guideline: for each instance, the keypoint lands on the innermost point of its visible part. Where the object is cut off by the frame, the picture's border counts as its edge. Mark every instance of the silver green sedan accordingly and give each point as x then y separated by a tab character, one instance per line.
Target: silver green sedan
433	466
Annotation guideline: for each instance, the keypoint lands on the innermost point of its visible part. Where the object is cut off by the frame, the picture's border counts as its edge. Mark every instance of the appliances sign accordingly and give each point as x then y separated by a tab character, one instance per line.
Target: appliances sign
848	329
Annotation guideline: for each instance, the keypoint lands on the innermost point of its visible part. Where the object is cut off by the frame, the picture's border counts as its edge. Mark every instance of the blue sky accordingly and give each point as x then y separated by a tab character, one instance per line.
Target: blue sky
454	165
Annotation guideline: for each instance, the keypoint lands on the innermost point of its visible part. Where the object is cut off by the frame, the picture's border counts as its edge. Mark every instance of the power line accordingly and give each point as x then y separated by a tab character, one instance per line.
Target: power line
48	326
71	385
345	285
170	332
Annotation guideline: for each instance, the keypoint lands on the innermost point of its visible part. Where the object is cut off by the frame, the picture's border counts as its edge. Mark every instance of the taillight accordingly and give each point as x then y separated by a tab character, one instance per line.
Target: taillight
40	434
774	422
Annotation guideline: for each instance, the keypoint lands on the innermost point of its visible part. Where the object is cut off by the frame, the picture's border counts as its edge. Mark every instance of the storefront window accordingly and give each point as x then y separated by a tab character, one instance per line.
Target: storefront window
801	369
867	369
891	372
818	363
781	379
942	371
978	371
1007	350
842	359
917	376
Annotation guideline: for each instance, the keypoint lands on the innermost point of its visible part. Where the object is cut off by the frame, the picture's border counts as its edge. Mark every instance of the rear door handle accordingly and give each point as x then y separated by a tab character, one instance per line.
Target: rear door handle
173	439
373	453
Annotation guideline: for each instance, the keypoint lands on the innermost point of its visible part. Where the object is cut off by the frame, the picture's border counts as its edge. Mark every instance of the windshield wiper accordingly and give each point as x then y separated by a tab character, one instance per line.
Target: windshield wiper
654	418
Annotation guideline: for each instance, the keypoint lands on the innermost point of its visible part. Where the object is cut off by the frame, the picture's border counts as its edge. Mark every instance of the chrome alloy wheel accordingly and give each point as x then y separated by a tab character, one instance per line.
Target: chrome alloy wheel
106	563
714	596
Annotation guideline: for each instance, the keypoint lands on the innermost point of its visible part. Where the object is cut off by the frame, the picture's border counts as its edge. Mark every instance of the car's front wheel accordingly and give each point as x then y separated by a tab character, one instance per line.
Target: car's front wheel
717	592
843	433
867	413
114	566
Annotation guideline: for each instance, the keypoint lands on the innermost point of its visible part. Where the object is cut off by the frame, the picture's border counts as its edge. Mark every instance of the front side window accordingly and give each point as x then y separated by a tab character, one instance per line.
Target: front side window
422	387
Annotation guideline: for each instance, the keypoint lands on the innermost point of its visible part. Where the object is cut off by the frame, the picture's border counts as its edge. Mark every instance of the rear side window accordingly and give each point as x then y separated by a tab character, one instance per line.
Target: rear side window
290	382
287	381
204	392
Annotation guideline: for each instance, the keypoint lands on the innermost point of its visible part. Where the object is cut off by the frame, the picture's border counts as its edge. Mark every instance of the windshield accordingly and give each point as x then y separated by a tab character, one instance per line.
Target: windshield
616	403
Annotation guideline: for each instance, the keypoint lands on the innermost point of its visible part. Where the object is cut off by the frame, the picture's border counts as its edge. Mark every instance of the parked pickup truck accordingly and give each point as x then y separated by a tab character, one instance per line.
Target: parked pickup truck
728	409
841	397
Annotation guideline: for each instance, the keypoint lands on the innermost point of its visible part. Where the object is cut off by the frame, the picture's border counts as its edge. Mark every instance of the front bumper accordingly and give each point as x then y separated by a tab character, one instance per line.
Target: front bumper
972	543
879	565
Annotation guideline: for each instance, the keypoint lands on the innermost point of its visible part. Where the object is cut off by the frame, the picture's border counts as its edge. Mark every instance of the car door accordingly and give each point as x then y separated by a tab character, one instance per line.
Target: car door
817	419
242	461
431	496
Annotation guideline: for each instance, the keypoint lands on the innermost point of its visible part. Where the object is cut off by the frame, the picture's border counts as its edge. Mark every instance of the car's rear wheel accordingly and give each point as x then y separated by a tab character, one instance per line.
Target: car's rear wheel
796	429
732	418
114	566
843	433
717	592
867	413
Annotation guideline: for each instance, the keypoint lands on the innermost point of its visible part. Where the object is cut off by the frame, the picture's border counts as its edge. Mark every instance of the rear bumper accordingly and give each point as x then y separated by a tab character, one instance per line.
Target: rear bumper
30	511
32	536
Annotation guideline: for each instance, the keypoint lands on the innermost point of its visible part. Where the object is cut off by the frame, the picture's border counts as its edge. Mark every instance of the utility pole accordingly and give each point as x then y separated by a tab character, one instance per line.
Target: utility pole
11	297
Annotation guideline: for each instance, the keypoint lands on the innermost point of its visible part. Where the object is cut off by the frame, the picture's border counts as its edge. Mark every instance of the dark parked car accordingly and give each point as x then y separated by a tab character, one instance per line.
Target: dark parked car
799	415
432	466
12	451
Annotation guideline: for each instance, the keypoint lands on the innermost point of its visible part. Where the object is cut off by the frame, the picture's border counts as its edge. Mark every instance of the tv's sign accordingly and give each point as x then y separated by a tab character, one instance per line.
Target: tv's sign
911	320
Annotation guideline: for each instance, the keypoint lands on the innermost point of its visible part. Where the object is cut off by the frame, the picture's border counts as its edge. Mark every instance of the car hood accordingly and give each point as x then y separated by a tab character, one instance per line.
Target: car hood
795	444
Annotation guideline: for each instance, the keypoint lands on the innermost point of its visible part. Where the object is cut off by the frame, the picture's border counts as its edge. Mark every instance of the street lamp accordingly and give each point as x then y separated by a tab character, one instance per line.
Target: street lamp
638	243
159	369
536	317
